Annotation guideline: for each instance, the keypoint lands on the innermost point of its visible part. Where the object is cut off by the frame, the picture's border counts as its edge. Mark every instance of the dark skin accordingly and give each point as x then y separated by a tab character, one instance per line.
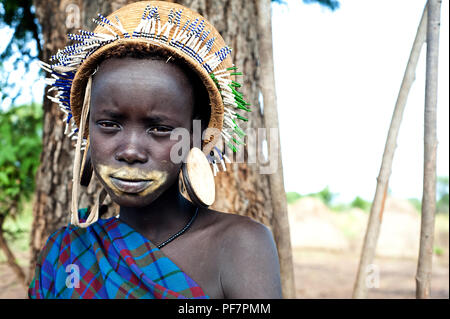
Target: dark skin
135	104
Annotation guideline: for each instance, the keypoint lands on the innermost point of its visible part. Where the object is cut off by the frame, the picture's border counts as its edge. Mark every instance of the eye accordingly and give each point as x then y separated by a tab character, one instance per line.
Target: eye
160	130
108	126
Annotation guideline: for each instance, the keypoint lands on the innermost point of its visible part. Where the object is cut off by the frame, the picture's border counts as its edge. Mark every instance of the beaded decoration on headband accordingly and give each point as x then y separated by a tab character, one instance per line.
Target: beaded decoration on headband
189	37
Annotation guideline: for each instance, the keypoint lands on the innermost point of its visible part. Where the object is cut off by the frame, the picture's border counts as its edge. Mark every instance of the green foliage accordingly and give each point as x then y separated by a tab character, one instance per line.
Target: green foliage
22	48
417	203
19	16
360	203
20	142
292	197
439	251
325	195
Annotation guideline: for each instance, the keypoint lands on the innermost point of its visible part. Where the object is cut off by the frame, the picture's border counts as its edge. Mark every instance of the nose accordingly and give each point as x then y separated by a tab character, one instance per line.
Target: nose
132	151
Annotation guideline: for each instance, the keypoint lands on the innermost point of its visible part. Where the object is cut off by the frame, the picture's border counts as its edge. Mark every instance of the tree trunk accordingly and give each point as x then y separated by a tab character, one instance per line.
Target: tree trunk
423	276
241	190
377	208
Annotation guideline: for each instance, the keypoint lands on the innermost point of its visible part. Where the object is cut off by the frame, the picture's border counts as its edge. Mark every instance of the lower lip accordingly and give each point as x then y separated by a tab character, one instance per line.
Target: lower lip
132	187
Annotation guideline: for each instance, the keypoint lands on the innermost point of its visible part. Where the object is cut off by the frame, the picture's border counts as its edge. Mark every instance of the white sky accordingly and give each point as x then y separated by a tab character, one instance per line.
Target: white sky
337	78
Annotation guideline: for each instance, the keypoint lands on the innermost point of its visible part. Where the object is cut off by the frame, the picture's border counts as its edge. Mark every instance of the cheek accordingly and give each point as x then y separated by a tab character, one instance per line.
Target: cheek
161	156
160	150
100	153
162	161
98	143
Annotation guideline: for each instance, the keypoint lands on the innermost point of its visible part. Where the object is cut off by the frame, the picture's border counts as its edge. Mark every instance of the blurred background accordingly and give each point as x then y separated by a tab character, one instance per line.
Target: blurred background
338	74
338	69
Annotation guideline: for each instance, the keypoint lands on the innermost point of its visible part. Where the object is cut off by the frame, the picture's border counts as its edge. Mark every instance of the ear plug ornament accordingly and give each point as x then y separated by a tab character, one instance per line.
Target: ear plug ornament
197	180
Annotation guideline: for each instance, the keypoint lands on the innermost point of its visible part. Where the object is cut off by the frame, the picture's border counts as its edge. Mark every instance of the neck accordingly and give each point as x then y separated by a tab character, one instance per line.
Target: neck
163	217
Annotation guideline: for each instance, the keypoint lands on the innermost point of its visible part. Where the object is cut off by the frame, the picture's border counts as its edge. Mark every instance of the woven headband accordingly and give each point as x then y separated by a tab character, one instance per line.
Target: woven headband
155	25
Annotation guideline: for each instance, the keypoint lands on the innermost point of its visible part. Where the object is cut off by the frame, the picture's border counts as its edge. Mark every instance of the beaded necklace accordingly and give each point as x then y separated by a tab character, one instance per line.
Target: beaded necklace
180	232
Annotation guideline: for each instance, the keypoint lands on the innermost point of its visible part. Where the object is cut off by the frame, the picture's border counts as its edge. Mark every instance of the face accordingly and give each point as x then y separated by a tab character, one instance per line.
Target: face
135	104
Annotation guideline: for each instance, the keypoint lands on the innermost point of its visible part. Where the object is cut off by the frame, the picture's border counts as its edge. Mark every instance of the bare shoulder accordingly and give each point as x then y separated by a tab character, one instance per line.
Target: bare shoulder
248	257
236	227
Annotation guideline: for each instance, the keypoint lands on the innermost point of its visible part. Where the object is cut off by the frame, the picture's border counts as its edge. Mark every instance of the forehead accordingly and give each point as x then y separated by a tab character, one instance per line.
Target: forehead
145	84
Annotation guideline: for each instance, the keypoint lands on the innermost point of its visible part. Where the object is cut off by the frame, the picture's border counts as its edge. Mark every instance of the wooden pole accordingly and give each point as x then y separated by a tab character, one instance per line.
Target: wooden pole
423	276
377	208
280	222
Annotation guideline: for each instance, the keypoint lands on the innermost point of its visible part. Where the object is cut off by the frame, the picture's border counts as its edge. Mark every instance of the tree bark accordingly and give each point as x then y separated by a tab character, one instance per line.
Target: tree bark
423	276
377	208
241	190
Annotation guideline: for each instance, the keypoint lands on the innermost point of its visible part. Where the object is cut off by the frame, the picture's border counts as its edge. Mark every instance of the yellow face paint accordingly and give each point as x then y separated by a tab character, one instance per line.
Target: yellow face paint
128	180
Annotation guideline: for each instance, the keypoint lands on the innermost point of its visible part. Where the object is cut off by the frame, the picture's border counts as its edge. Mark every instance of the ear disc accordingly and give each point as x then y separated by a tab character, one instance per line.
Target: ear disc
198	178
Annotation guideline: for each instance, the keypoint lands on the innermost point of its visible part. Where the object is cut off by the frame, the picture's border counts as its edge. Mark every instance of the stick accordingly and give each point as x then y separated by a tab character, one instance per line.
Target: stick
423	276
376	210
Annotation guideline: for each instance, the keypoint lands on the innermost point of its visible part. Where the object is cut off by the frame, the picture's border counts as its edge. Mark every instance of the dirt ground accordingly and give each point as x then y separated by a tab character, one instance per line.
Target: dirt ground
325	274
327	247
10	288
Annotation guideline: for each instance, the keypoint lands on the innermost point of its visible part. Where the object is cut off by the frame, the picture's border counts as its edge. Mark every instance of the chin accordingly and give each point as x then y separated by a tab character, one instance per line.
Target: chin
133	200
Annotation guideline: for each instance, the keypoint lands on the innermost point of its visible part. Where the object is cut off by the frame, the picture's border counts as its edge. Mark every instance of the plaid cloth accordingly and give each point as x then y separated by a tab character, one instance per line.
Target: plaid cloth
107	260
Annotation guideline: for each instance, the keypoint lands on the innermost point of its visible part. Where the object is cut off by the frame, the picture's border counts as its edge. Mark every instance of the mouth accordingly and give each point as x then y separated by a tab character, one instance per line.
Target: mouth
131	186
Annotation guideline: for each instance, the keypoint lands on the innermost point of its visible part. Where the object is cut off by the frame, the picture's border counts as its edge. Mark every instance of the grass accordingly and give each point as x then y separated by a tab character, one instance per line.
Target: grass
292	197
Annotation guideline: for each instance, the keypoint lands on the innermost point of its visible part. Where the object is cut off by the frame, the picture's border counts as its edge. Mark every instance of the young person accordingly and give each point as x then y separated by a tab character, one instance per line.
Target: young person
132	83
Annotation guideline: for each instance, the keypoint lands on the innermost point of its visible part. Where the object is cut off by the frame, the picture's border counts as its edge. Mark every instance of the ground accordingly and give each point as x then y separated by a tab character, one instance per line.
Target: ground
325	274
10	288
327	246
